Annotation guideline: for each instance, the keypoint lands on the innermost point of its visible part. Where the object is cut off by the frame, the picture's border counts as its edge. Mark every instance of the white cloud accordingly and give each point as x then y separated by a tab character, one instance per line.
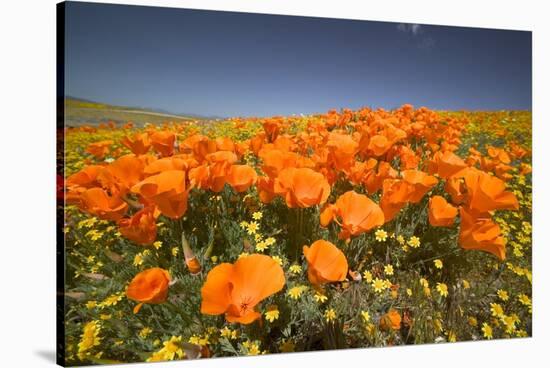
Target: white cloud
409	28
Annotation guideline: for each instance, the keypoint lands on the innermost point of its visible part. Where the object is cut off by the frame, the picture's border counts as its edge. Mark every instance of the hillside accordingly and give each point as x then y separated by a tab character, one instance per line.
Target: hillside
83	112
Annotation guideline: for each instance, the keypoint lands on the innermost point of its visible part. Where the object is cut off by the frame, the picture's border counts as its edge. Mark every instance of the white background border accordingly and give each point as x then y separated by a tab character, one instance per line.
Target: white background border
27	177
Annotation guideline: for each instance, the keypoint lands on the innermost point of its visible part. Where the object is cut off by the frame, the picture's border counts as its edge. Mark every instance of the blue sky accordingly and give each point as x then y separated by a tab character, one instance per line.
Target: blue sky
238	64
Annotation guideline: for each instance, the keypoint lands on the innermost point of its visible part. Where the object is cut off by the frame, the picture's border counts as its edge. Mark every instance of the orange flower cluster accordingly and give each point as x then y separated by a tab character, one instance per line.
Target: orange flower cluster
148	184
360	169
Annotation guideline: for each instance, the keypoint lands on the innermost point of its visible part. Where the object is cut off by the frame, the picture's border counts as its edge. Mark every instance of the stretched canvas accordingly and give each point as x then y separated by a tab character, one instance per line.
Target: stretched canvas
235	184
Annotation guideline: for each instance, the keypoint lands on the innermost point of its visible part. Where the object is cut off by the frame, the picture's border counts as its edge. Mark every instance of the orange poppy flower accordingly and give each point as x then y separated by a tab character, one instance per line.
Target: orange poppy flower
342	149
421	183
357	213
272	128
198	145
141	228
456	188
325	263
488	193
85	178
236	289
379	144
274	161
99	149
179	162
499	154
257	142
395	195
265	187
97	202
302	187
408	158
525	168
390	320
139	143
446	164
149	286
481	233
374	178
359	170
225	144
199	177
440	212
167	190
220	163
241	177
120	175
163	142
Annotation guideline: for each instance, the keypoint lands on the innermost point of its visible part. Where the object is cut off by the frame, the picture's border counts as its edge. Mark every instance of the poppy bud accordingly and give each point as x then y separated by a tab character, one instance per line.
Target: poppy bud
191	261
355	275
209	249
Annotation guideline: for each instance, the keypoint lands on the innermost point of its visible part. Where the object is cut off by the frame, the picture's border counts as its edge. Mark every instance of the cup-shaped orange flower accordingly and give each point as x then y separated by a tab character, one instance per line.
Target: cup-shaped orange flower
342	150
198	145
481	233
141	228
440	212
170	163
85	178
241	177
456	188
420	181
446	164
391	320
395	195
356	213
325	263
149	287
122	174
265	186
139	143
218	169
167	190
97	202
272	128
163	142
236	289
99	149
379	144
488	193
302	187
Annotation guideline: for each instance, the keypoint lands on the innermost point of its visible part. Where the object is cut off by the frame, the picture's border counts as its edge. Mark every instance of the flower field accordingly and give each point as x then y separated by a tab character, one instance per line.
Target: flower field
251	236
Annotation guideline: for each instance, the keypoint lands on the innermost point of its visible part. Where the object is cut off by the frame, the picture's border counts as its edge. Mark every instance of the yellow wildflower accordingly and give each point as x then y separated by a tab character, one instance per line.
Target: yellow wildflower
487	331
442	289
330	315
320	298
414	242
272	314
379	285
503	295
367	276
381	235
296	291
295	269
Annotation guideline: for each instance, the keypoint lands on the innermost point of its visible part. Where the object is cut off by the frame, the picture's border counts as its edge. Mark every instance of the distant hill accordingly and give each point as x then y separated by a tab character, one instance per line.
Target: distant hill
79	111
